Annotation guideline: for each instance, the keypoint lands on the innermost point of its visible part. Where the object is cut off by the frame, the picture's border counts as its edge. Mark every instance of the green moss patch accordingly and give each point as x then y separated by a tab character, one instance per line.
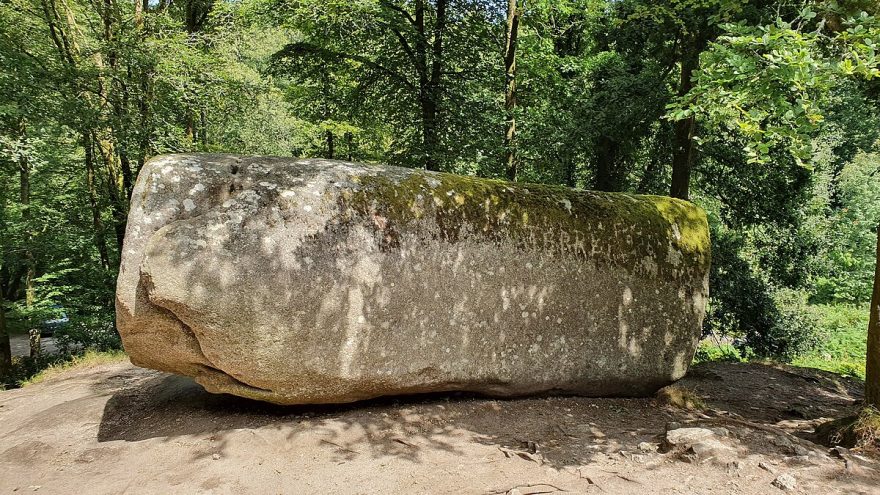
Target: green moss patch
623	228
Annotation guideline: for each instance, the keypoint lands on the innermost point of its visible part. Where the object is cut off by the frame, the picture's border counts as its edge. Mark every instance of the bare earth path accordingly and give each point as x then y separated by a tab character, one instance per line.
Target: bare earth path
121	429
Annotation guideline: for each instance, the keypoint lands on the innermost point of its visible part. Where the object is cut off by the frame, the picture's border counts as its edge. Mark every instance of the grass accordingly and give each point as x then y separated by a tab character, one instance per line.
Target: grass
860	431
89	359
842	350
844	345
867	427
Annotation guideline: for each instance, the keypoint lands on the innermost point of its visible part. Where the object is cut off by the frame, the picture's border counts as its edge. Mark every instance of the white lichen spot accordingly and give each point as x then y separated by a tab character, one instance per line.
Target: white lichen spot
287	194
627	296
566	204
307	208
673	255
189	205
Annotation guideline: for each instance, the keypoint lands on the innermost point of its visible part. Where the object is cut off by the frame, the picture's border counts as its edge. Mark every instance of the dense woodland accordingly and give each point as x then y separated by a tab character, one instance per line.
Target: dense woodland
767	114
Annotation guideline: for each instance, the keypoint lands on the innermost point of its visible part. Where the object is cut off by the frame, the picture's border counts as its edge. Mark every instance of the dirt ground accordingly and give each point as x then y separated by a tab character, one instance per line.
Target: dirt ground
121	429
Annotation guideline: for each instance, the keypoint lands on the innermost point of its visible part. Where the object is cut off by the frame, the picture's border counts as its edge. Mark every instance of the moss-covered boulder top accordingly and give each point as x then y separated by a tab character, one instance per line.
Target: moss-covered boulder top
312	281
643	233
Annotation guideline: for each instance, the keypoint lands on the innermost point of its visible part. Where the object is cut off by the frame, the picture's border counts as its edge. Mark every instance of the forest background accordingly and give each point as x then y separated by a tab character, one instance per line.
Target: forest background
766	114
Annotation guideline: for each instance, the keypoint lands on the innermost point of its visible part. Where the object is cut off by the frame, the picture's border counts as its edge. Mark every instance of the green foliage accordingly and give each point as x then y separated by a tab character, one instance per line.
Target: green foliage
94	332
845	274
784	101
708	352
839	348
771	82
25	367
843	345
794	331
79	341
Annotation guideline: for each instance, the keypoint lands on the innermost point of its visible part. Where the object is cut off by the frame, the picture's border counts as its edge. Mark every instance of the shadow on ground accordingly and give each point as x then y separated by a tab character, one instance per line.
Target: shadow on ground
557	431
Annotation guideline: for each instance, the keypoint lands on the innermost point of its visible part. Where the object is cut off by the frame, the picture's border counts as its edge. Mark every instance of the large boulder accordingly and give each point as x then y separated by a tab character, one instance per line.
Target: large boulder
314	281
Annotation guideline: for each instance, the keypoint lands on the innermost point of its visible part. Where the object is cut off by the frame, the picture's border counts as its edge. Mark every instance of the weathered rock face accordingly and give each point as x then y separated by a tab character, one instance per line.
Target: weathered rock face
312	281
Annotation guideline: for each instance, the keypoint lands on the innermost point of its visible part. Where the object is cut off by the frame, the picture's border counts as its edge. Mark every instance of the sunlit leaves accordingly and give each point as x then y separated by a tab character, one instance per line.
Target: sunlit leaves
771	82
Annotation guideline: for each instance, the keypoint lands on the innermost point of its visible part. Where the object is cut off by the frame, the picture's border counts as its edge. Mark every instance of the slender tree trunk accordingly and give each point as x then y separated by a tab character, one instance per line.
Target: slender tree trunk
97	223
140	8
190	128
26	216
349	144
606	159
513	15
570	172
144	129
203	128
331	149
649	177
5	348
872	368
117	208
682	158
683	140
430	84
429	131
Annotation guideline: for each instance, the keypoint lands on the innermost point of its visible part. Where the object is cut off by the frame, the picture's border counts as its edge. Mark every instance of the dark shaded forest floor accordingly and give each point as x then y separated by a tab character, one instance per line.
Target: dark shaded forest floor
121	429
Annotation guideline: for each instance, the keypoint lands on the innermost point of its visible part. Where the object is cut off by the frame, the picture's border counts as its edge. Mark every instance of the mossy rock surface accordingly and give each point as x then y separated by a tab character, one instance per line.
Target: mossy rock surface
314	281
633	231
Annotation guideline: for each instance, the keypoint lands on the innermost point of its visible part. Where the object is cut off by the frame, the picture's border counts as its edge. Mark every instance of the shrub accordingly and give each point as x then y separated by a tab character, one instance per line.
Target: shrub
708	352
794	331
90	332
844	345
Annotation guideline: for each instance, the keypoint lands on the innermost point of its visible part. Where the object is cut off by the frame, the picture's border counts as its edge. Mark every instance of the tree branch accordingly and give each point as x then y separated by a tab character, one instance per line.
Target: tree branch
302	49
400	10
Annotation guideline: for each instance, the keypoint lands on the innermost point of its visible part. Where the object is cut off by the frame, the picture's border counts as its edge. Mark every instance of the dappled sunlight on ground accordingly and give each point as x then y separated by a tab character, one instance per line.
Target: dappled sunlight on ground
148	432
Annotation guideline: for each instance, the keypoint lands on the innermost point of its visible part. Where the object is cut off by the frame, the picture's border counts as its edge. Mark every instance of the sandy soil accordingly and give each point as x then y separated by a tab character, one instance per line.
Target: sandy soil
121	429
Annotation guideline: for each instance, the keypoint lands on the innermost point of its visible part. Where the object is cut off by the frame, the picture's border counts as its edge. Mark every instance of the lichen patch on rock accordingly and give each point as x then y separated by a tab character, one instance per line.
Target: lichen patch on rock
311	281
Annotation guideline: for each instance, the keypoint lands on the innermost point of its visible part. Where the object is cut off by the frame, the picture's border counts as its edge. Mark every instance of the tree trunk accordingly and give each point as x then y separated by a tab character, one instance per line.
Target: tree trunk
606	159
203	124
118	208
650	175
429	130
683	140
570	172
872	368
430	85
189	128
97	223
331	149
25	199
513	15
682	158
349	143
144	127
5	348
